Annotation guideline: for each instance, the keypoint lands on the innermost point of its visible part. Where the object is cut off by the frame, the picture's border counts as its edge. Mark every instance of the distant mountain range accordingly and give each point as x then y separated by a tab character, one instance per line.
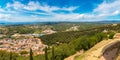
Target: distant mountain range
54	22
22	23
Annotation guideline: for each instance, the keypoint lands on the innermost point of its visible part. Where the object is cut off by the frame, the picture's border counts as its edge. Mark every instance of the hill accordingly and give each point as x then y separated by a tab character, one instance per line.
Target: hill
67	43
105	50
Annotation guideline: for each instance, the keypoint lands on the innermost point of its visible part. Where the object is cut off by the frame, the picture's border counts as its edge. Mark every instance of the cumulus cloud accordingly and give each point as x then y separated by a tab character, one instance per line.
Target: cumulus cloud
17	5
108	9
20	12
33	6
103	11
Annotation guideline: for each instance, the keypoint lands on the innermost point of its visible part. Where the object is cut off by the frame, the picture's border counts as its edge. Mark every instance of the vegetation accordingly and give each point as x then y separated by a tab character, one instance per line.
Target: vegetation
111	35
84	42
46	54
8	55
23	52
37	28
77	40
53	52
65	43
31	54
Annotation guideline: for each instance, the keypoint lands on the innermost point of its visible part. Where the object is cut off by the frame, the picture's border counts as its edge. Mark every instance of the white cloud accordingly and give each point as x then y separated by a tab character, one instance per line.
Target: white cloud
33	6
116	12
17	5
69	8
103	11
70	17
108	9
1	10
5	16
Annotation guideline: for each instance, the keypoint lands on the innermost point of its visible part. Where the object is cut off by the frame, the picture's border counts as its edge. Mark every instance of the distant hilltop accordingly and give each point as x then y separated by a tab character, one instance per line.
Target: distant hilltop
22	23
56	22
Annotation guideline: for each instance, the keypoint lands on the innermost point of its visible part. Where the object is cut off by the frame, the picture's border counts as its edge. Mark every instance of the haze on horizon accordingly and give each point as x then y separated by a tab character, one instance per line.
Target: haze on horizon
59	10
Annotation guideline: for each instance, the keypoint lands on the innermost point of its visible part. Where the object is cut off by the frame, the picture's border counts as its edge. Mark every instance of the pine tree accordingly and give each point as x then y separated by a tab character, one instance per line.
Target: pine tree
53	53
31	54
10	55
46	55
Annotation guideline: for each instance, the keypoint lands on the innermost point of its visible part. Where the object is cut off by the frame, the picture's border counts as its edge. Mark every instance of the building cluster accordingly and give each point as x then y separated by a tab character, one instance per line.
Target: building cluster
22	45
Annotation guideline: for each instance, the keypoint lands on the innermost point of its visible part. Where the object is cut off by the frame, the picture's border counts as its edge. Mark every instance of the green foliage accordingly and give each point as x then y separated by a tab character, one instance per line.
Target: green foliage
46	54
23	52
37	28
64	37
4	55
65	43
84	42
111	35
31	54
10	56
53	53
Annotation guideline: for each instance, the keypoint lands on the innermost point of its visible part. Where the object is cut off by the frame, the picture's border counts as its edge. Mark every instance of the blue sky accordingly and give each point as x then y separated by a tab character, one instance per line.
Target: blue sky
59	10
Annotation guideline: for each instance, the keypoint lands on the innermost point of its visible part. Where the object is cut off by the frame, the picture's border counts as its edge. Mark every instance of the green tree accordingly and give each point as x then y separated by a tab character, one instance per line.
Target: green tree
111	35
46	54
10	55
31	54
53	53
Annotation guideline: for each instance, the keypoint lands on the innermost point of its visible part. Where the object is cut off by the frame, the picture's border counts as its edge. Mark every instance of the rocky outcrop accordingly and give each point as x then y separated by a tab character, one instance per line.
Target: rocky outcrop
110	51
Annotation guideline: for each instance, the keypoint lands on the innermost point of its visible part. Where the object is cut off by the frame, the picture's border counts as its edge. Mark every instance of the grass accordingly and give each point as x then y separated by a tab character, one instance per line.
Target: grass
79	57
